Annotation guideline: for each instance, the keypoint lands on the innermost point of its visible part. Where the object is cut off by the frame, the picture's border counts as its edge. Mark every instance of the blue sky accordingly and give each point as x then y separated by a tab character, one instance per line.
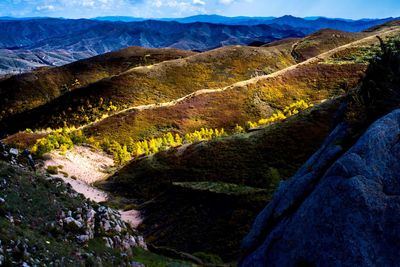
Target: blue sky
181	8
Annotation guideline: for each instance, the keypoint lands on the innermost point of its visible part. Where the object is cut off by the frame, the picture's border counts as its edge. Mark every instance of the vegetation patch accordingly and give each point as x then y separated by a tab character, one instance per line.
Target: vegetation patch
220	188
52	169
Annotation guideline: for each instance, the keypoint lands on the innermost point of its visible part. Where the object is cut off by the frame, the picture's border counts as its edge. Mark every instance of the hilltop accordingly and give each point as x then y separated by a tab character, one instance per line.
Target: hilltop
30	90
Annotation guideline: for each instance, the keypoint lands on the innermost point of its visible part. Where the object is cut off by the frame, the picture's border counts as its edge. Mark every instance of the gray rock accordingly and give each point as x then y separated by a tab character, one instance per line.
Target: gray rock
340	209
109	242
83	238
72	224
136	264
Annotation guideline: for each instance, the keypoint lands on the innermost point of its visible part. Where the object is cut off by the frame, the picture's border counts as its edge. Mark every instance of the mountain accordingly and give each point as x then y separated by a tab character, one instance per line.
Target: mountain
26	44
312	23
119	18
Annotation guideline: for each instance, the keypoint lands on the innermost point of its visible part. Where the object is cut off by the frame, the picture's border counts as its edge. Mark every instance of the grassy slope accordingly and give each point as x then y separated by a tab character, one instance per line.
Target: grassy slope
240	103
233	106
201	216
159	83
322	41
26	91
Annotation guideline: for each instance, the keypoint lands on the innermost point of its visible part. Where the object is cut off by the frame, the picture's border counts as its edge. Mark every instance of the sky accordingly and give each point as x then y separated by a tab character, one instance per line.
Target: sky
354	9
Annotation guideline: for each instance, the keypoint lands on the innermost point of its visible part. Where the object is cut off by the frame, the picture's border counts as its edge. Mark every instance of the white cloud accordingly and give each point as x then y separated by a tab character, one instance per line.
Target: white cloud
226	2
199	2
44	8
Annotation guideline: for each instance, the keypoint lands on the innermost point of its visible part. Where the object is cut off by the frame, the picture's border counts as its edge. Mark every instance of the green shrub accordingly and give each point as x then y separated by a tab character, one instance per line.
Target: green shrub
208	258
65	174
52	169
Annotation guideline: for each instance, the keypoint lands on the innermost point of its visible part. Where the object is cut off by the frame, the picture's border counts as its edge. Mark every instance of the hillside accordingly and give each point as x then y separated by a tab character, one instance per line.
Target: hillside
30	90
60	227
244	101
255	160
161	82
258	159
138	86
322	41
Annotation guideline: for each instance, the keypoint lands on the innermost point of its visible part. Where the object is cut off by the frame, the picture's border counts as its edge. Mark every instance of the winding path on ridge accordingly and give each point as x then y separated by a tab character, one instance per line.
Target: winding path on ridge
367	40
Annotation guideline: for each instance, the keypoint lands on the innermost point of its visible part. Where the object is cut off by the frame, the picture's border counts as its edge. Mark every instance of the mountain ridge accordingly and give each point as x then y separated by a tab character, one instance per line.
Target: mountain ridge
22	41
28	43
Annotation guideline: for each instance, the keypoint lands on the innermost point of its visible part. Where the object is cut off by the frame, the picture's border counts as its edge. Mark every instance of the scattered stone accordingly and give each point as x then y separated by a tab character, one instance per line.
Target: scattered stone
72	224
83	238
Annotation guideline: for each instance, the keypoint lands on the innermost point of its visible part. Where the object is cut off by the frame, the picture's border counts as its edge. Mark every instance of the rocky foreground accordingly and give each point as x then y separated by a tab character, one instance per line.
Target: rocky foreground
44	221
341	208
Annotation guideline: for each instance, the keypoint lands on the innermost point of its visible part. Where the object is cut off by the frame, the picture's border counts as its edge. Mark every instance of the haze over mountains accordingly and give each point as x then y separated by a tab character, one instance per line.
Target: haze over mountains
29	43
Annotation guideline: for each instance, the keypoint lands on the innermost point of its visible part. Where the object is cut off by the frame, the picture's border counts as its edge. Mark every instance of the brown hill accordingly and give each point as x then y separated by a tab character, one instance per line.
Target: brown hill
161	82
322	41
27	91
330	74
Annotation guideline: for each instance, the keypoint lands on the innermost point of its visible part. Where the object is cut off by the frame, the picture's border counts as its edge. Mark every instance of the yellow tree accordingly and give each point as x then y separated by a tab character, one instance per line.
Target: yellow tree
178	140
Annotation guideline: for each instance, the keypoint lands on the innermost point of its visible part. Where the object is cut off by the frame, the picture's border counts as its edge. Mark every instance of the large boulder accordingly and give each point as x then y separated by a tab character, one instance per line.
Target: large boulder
341	209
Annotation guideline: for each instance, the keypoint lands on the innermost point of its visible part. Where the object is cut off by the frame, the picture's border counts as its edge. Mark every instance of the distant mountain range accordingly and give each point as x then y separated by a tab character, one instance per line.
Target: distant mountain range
314	23
28	43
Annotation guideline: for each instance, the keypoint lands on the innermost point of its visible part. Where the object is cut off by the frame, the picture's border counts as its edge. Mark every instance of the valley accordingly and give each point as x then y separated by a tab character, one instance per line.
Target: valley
187	144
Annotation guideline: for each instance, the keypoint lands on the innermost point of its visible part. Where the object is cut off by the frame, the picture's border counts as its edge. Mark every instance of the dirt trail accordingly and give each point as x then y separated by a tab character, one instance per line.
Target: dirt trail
319	58
87	167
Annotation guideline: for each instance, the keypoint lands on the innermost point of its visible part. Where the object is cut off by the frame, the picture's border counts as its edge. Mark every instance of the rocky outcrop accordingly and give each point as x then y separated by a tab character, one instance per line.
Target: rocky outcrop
45	222
342	208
